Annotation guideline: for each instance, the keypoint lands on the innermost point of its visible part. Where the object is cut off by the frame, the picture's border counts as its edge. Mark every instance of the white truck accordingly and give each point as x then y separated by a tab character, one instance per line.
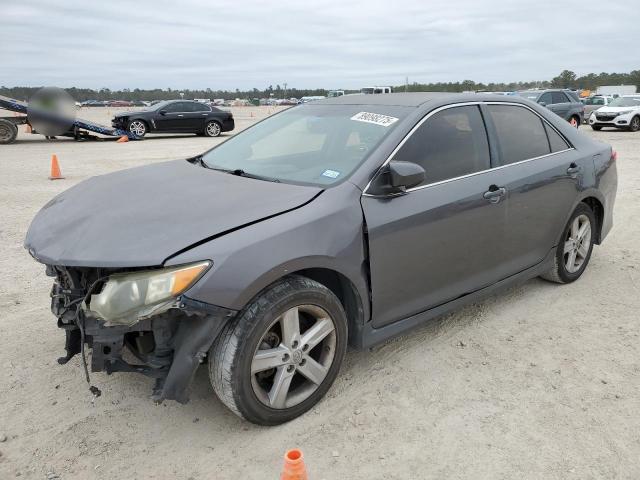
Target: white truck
616	90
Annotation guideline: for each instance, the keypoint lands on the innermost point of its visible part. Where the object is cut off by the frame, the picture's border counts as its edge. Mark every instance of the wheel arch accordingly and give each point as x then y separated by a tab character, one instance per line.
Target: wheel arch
598	210
594	200
344	289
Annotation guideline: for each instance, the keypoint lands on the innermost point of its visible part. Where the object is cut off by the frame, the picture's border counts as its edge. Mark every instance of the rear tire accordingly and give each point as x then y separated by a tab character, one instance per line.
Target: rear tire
262	364
212	129
573	252
8	132
634	125
596	128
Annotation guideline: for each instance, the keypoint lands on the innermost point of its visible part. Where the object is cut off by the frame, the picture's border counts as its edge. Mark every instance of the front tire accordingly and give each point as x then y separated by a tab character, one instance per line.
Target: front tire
575	246
634	125
138	128
279	357
212	129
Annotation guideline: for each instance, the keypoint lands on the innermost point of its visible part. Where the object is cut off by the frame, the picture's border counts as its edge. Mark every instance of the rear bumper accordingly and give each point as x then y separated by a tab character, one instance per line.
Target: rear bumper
228	125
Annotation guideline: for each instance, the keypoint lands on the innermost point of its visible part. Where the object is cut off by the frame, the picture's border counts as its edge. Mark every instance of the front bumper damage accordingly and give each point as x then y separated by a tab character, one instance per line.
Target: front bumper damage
167	347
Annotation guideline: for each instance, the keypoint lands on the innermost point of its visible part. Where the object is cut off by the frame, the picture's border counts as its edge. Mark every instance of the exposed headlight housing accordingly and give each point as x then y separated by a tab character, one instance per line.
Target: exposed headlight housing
624	112
127	298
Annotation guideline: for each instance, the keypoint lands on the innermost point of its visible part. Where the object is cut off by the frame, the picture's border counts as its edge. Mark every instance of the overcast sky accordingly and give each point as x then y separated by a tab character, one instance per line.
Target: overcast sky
310	43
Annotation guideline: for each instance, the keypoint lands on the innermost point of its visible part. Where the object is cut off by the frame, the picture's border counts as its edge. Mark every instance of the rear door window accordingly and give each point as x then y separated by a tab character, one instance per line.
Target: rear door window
521	133
452	143
176	107
200	107
558	97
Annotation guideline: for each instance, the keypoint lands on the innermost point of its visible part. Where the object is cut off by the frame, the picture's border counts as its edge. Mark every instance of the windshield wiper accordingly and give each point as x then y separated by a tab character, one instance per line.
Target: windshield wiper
241	173
237	172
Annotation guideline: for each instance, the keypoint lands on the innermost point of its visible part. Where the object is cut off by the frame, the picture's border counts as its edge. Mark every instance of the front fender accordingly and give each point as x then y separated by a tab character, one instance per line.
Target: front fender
326	233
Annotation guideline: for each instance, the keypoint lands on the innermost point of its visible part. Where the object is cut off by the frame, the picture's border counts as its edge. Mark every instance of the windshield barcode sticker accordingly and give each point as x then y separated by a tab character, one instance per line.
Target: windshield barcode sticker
375	118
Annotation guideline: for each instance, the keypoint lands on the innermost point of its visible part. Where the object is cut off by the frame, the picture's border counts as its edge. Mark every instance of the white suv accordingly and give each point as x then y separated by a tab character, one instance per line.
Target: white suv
623	113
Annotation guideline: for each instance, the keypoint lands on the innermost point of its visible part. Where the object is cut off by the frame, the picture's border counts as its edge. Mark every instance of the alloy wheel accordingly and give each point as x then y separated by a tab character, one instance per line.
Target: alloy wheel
577	244
138	128
293	356
213	129
635	124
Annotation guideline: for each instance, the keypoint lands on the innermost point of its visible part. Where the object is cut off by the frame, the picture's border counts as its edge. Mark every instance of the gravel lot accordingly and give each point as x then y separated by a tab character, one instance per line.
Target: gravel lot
539	382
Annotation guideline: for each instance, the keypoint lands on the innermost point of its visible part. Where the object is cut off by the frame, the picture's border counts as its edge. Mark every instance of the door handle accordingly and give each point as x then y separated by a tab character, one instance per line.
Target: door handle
180	115
573	170
494	194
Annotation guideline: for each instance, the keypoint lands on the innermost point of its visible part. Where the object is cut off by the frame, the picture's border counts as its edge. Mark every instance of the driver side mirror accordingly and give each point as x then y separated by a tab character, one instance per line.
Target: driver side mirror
162	112
397	177
405	175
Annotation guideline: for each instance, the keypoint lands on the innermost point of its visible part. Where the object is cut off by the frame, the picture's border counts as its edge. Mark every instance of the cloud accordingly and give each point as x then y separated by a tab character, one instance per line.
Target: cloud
325	43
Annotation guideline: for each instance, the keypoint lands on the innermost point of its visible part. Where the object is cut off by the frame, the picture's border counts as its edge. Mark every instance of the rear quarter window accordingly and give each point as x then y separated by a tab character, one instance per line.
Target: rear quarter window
556	142
521	133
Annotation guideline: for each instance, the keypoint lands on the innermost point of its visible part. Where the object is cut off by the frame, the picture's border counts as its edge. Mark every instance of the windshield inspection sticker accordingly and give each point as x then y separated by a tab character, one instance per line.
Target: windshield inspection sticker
375	118
331	174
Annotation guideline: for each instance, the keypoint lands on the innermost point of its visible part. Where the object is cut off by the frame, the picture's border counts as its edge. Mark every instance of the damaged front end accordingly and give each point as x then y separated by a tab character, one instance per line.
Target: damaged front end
137	321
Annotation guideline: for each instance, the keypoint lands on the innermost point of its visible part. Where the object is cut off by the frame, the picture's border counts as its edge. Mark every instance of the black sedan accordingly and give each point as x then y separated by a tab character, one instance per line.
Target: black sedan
176	116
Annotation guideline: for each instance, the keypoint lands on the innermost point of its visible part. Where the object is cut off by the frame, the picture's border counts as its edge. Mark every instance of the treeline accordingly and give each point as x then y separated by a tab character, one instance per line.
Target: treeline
566	79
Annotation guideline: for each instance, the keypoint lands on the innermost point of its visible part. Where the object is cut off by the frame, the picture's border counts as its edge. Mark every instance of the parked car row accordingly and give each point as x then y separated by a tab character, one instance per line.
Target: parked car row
114	103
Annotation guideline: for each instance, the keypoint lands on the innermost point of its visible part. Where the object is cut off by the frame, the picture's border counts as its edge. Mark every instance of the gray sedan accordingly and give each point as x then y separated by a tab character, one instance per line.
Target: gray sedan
341	222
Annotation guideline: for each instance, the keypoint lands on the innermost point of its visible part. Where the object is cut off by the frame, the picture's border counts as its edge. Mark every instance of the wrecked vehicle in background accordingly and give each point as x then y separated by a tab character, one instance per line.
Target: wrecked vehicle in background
346	221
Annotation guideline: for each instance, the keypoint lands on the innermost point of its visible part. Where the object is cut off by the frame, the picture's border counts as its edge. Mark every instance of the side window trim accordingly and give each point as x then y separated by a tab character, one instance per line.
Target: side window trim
492	136
497	167
544	120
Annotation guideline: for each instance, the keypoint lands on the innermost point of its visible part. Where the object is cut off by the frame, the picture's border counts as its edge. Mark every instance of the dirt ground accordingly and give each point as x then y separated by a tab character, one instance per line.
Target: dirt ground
540	382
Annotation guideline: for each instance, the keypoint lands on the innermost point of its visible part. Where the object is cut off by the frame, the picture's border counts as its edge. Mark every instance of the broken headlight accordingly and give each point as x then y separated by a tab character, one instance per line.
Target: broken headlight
127	298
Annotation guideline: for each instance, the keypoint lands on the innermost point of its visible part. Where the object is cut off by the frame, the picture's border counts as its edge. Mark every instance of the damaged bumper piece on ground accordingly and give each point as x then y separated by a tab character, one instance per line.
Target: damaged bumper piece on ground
167	343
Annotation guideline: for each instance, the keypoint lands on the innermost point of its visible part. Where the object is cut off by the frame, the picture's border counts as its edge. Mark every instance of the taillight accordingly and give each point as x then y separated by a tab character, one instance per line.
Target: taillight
614	155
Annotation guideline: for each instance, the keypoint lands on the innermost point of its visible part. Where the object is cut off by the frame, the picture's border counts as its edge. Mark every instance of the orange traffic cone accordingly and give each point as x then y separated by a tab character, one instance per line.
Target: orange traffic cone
56	174
293	468
123	139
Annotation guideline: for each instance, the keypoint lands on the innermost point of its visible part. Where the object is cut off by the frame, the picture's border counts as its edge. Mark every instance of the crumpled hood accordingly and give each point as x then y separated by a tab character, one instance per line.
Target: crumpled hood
139	217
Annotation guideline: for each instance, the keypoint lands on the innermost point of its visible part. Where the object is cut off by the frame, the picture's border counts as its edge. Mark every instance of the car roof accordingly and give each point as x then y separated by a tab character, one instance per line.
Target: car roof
410	99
